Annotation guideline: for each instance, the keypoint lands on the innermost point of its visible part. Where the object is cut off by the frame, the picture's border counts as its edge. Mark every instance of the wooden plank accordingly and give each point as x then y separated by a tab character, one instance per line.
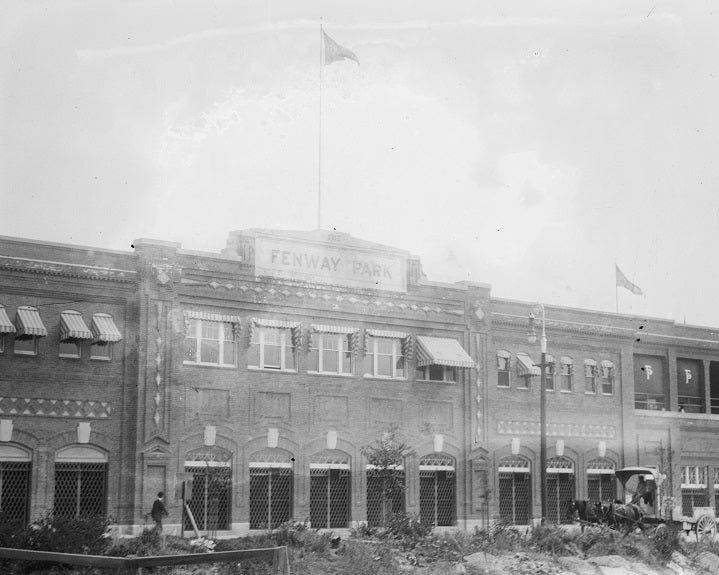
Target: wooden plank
67	558
214	557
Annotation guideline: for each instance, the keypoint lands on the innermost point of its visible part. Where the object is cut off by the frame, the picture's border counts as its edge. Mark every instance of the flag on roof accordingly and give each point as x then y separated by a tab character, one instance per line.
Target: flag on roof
335	52
622	281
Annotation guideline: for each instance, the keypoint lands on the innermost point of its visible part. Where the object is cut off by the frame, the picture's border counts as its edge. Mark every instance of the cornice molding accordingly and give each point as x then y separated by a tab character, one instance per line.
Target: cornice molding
379	304
67	269
520	322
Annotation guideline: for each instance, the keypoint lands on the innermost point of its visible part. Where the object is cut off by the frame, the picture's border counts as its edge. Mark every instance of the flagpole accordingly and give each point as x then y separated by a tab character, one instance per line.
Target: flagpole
319	139
616	285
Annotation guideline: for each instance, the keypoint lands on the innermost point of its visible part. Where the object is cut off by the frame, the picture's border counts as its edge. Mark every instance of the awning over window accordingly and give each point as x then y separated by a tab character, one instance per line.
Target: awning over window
385	333
441	351
104	329
72	326
275	323
332	328
525	365
6	325
29	322
190	314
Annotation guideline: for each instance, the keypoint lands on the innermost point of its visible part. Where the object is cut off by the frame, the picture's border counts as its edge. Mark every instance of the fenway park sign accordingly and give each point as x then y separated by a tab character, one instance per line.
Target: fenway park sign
330	264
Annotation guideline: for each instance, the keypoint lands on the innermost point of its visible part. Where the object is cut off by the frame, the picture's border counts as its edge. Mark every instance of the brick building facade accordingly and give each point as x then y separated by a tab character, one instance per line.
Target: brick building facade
261	371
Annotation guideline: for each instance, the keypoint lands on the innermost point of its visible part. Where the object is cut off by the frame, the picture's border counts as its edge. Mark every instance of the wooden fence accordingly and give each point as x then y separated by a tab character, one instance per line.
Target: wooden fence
275	555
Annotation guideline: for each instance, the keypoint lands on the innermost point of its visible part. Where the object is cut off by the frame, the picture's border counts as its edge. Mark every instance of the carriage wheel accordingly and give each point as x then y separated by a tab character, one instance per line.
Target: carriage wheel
706	527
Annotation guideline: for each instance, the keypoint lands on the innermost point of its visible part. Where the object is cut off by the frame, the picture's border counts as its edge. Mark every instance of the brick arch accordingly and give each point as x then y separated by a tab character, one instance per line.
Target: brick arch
283	442
448	447
320	443
97	439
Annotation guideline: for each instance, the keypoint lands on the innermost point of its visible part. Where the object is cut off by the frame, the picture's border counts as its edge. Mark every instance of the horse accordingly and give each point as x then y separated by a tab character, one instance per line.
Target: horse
622	516
586	511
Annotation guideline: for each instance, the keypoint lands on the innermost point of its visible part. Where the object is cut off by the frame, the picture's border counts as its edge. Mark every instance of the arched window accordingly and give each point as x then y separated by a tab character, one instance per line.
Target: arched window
560	489
437	488
210	497
601	486
271	489
80	482
15	464
330	488
515	490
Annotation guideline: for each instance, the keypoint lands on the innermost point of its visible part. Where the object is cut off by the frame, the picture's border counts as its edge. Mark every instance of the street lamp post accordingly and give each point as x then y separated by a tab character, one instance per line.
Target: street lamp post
532	338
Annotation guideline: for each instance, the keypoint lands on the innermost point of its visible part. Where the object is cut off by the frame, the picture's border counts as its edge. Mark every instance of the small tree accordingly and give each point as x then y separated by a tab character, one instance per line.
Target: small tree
386	456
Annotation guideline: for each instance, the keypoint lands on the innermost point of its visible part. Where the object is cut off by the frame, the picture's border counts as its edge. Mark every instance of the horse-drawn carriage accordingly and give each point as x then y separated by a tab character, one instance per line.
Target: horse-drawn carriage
642	507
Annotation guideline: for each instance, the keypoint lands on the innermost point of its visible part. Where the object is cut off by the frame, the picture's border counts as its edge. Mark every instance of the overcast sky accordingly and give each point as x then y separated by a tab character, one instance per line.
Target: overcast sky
524	144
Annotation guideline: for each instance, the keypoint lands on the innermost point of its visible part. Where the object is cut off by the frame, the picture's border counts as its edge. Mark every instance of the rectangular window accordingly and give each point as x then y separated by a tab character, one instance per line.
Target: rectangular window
549	376
331	353
329	498
503	371
590	378
384	358
437	373
209	343
385	495
26	345
271	497
607	379
101	350
565	377
2	342
15	490
69	349
271	348
437	500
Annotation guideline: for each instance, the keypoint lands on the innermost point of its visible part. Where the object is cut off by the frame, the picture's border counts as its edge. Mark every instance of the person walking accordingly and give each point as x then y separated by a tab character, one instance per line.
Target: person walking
158	511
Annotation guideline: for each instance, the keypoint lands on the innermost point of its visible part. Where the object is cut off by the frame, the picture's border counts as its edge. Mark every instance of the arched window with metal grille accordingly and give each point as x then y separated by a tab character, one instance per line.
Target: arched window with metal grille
515	490
15	463
271	489
330	488
437	489
210	497
601	486
560	489
80	482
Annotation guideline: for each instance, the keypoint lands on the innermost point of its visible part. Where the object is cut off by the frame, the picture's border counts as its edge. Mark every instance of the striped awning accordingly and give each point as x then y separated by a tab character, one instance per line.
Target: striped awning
29	322
104	329
275	323
6	325
190	314
441	351
332	328
72	326
384	333
525	365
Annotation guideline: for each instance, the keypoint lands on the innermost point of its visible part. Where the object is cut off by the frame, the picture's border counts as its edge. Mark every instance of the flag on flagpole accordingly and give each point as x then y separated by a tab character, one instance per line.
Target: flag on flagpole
622	281
334	52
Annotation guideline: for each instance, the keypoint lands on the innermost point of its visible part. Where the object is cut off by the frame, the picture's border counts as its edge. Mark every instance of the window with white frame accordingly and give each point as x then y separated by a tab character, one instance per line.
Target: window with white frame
607	377
504	367
566	374
332	351
590	376
385	357
273	348
209	342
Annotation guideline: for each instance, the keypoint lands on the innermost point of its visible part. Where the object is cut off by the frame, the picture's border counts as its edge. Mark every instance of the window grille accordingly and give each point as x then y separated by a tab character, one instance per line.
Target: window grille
329	497
271	495
601	486
210	497
80	489
515	488
716	490
437	487
694	488
380	508
15	490
560	489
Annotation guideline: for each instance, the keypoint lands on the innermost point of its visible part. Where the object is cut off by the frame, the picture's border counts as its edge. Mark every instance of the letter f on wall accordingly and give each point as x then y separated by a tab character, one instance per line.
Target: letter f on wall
649	371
